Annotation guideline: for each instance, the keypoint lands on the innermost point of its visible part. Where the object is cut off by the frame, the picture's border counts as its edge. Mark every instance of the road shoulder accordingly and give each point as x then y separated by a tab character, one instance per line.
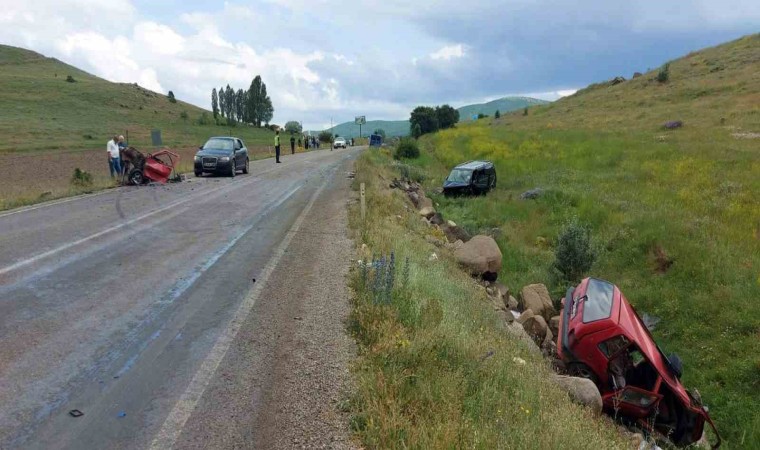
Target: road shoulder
280	383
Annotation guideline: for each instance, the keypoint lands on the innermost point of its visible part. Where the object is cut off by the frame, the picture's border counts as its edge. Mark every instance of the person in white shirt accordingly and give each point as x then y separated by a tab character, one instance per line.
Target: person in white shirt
114	162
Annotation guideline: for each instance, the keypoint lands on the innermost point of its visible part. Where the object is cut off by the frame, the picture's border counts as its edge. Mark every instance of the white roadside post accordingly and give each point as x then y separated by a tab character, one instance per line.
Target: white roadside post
363	202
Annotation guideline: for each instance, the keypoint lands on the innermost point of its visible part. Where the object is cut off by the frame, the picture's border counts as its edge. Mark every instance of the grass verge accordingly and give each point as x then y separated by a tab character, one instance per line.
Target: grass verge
435	366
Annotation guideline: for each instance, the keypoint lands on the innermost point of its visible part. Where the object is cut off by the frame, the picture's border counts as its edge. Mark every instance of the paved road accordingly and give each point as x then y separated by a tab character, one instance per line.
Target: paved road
131	304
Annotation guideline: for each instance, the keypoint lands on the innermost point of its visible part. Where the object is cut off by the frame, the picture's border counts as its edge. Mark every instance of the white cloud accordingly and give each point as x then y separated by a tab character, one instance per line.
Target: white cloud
448	52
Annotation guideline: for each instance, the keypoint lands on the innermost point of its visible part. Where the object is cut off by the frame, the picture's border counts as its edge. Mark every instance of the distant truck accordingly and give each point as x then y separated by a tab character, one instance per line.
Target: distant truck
375	140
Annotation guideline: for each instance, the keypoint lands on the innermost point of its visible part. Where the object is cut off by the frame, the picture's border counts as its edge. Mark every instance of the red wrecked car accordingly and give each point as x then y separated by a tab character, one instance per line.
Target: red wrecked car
602	338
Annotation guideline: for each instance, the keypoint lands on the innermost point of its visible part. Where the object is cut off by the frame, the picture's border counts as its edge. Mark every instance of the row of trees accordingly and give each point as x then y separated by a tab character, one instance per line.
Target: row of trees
252	106
426	119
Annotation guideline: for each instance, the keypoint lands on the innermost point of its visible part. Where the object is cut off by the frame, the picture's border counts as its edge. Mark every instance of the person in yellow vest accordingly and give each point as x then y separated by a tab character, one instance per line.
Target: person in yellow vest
277	146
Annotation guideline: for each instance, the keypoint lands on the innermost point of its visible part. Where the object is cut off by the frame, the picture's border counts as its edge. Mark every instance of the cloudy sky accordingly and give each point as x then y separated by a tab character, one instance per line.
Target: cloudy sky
324	59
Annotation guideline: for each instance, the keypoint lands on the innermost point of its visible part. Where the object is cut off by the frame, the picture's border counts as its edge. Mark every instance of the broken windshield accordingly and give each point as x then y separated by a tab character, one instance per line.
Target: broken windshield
460	176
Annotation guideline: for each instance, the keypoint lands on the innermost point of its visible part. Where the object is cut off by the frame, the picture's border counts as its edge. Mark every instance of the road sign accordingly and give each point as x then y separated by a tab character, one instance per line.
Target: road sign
155	136
360	120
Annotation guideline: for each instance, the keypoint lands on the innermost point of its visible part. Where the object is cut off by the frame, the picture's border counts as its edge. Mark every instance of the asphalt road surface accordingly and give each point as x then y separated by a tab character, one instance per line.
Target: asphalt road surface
138	307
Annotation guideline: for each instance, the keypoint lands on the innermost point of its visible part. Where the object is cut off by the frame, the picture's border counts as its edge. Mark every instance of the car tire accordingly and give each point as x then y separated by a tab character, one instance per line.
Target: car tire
198	174
246	168
233	169
136	177
578	369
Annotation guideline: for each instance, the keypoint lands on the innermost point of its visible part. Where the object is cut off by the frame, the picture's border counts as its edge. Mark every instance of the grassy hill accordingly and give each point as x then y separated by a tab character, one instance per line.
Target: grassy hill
674	214
502	105
42	111
401	127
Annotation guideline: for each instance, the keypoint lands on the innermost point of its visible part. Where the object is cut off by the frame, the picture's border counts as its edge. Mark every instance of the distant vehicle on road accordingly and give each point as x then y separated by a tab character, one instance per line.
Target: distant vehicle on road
221	155
340	143
603	339
375	140
470	178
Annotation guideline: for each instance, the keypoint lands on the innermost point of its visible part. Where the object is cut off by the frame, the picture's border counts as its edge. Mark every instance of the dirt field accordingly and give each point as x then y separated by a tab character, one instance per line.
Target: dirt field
29	177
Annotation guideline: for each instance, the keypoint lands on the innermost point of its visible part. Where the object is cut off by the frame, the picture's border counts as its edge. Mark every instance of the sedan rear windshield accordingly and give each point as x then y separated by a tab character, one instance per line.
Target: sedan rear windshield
598	304
218	144
460	176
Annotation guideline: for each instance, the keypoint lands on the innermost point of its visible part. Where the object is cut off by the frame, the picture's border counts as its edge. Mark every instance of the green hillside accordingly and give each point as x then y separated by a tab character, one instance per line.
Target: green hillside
391	127
502	105
42	111
673	213
401	127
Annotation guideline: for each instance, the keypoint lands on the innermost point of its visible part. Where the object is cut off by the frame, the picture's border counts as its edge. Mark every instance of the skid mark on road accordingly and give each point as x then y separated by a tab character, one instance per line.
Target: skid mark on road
175	421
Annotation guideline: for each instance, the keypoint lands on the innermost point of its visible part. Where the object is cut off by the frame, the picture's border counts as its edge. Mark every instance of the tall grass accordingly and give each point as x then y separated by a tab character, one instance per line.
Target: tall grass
436	366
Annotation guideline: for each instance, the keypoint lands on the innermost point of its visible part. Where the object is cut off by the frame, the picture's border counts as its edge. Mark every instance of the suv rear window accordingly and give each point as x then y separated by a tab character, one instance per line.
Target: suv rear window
598	304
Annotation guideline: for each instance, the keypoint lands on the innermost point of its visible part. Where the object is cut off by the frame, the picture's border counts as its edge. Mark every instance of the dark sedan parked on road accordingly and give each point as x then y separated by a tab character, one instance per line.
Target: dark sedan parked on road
223	155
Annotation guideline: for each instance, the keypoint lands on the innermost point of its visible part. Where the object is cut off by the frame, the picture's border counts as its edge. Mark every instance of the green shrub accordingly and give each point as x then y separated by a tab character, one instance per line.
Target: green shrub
416	131
407	148
325	137
204	119
70	79
574	254
664	74
171	97
183	115
81	178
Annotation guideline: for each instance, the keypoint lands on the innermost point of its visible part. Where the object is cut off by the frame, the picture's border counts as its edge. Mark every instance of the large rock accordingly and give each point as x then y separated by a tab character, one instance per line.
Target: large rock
617	80
525	315
554	325
582	391
673	124
512	303
427	212
455	233
536	328
480	255
436	219
531	194
536	297
518	332
502	291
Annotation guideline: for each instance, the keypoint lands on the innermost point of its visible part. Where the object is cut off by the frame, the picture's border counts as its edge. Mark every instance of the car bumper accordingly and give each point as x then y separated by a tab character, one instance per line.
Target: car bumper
220	167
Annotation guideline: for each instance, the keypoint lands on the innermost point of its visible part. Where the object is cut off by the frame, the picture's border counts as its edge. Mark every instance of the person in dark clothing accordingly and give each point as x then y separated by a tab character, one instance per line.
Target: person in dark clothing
292	145
277	146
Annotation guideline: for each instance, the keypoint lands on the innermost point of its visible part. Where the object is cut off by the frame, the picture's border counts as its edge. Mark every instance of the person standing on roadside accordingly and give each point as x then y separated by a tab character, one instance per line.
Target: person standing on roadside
292	144
277	146
114	163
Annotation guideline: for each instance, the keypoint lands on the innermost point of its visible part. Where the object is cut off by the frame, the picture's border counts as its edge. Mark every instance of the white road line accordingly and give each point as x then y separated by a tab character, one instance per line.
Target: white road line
35	258
175	421
52	203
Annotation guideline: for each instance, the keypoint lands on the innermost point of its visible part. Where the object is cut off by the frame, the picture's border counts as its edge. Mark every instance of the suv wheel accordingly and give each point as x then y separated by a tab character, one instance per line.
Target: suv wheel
198	174
246	167
233	169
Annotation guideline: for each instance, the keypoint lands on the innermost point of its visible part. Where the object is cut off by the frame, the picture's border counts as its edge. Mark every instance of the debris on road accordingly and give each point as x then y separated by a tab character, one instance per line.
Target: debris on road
76	413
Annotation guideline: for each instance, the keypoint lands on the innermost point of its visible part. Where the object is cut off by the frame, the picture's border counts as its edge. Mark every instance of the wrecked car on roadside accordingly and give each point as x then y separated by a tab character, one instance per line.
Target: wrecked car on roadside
470	178
602	338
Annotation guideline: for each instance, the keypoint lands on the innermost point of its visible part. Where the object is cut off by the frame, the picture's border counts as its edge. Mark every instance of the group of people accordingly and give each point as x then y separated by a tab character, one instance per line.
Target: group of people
114	147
